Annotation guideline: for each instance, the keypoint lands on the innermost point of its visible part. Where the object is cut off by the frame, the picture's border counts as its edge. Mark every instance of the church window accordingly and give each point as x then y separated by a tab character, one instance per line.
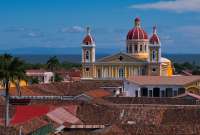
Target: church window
135	48
87	55
145	48
154	69
130	49
141	48
121	72
153	55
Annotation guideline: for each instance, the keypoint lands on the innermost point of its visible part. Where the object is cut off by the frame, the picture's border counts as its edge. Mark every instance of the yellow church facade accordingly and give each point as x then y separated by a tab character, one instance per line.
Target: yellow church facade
142	57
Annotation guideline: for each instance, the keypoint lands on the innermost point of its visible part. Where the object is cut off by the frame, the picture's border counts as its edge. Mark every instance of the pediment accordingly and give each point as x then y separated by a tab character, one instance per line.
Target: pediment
120	57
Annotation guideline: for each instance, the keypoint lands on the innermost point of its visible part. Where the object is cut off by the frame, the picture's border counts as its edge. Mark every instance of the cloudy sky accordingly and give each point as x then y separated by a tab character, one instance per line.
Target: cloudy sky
61	23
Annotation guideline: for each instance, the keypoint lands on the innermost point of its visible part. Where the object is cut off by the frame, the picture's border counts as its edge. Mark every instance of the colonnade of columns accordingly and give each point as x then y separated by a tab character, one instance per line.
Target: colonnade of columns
117	71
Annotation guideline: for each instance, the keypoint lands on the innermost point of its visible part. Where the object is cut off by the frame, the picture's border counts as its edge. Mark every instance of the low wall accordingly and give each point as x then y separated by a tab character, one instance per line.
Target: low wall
142	100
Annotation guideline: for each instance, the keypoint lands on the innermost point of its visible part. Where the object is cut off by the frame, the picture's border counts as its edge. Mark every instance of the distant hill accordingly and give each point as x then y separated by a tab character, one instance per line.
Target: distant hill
72	54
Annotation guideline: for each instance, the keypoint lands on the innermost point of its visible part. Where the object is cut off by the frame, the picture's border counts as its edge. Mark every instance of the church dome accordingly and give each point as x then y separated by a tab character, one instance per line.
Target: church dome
88	40
137	32
154	38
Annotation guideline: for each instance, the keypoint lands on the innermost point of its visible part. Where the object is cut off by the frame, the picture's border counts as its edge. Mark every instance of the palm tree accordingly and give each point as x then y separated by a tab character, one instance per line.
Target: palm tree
53	63
11	70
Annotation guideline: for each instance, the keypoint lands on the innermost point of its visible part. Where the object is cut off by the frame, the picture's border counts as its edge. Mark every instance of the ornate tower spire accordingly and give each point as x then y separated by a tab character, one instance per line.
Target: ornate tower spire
88	55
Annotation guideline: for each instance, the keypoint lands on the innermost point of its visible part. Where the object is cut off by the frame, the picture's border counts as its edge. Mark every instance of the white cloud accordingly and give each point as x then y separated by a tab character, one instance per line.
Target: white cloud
33	34
176	5
74	29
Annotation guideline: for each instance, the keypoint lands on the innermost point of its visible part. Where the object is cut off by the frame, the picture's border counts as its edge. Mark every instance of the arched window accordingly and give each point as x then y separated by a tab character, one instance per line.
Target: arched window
141	48
135	48
153	55
87	55
130	48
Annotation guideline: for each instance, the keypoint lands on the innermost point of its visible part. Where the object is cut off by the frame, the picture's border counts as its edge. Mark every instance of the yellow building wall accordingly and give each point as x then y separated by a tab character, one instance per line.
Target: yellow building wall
12	85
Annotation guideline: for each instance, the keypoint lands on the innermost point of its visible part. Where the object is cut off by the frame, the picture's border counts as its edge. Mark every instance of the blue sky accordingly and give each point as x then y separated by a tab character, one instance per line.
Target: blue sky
61	23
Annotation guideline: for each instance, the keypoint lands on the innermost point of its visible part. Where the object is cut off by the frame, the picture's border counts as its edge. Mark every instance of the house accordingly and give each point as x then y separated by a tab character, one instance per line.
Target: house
161	86
42	76
71	75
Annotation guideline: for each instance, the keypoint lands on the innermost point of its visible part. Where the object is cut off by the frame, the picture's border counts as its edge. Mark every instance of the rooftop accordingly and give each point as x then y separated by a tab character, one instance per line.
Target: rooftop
163	80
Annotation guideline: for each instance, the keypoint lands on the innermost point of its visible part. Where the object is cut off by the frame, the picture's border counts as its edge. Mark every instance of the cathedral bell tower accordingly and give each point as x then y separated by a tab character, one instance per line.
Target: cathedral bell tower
88	56
154	58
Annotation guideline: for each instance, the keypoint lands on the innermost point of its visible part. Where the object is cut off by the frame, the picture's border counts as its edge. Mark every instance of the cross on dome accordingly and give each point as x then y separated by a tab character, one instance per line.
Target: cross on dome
88	30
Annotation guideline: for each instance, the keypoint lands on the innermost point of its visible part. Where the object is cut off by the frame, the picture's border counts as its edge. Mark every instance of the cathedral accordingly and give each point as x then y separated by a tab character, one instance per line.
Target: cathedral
142	57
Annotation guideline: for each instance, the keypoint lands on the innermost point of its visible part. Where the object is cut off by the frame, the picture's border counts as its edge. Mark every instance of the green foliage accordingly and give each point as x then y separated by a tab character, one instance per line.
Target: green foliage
58	78
53	63
34	81
68	65
11	70
179	67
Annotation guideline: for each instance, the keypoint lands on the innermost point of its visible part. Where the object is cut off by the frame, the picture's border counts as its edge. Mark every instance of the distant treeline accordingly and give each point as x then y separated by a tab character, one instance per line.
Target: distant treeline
193	67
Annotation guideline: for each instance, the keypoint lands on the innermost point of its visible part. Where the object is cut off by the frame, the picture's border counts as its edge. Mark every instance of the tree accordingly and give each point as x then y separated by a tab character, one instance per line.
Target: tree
53	63
11	70
34	80
58	78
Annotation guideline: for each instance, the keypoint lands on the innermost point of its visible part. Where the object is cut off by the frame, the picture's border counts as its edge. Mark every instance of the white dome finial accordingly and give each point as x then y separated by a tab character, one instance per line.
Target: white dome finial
154	29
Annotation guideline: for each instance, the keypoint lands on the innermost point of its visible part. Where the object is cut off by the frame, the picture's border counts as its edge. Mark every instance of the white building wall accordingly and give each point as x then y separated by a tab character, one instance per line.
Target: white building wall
130	88
48	76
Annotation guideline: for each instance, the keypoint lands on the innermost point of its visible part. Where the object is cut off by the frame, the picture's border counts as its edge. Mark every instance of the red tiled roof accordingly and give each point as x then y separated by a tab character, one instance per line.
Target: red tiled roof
189	94
72	109
61	115
88	40
154	38
35	71
25	113
31	125
75	74
98	93
163	80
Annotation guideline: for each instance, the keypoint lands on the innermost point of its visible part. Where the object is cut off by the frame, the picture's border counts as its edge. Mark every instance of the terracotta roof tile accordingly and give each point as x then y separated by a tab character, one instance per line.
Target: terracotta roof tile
163	80
98	93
